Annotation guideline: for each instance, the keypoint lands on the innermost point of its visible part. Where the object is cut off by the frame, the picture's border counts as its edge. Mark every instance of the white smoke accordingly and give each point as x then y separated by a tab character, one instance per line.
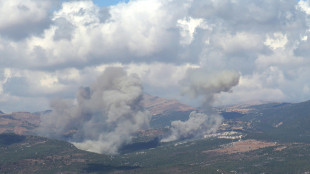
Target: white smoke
197	125
104	116
200	84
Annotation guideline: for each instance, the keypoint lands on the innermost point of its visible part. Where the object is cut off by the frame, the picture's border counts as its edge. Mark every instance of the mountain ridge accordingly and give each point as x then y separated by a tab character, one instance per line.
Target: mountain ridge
25	122
158	105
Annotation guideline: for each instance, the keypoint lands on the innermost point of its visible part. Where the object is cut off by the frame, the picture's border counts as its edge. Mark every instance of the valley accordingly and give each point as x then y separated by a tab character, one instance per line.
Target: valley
267	138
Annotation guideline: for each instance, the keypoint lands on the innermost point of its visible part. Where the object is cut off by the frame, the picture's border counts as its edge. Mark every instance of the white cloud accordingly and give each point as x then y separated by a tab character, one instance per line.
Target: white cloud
79	13
20	18
32	83
304	6
63	47
188	27
5	75
278	40
251	88
240	42
284	58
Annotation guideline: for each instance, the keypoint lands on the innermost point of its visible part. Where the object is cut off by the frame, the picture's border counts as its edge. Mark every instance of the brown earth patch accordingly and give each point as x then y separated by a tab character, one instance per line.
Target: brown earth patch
19	122
242	146
280	148
157	105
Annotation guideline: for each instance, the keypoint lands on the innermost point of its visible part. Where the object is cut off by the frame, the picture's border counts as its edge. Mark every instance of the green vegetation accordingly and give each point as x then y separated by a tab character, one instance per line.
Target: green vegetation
231	115
286	124
163	120
280	122
31	154
8	139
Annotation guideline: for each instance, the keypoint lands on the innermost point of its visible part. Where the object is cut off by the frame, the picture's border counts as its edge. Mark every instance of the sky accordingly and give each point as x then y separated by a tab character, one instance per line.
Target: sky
50	48
109	2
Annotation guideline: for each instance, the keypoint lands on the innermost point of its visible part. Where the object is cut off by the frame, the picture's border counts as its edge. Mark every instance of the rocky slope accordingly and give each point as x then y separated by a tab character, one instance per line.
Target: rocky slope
18	122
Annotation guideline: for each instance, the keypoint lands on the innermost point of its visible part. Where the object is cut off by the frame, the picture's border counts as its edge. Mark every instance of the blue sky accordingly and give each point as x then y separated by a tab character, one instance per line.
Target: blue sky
108	2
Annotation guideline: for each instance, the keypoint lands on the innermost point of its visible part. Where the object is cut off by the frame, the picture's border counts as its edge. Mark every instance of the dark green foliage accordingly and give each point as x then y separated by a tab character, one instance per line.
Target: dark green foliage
41	155
161	121
101	168
31	154
140	146
281	122
9	138
231	115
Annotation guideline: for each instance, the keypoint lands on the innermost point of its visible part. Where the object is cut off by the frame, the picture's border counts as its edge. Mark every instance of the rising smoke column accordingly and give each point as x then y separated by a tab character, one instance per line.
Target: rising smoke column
104	115
200	84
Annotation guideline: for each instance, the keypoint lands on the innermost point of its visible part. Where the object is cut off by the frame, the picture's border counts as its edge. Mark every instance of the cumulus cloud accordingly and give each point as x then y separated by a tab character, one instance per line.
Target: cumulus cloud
304	5
40	39
188	28
277	41
104	116
21	18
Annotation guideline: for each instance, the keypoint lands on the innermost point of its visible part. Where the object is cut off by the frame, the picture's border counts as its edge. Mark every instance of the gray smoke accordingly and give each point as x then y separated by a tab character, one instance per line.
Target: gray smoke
197	125
104	116
200	84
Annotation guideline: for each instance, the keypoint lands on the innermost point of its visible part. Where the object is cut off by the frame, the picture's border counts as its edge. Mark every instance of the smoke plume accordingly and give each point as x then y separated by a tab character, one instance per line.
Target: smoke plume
197	125
104	116
200	84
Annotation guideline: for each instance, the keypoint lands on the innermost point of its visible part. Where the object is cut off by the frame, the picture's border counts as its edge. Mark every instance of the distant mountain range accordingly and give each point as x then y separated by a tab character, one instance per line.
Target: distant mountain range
273	138
25	122
19	122
276	121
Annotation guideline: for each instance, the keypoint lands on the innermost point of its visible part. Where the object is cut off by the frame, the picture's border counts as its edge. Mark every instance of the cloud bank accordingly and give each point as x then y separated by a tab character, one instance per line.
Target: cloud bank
48	48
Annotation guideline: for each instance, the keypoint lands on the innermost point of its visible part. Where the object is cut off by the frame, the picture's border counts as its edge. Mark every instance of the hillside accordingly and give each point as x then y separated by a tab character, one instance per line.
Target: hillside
158	105
32	154
265	138
19	122
280	122
24	123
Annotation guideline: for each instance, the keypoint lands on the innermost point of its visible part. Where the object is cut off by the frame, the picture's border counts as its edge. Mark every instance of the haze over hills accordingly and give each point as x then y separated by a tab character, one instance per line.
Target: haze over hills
19	122
25	122
92	63
288	118
268	138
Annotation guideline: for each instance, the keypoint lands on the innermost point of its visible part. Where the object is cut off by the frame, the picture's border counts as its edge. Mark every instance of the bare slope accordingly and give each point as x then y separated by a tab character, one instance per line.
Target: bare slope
158	105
